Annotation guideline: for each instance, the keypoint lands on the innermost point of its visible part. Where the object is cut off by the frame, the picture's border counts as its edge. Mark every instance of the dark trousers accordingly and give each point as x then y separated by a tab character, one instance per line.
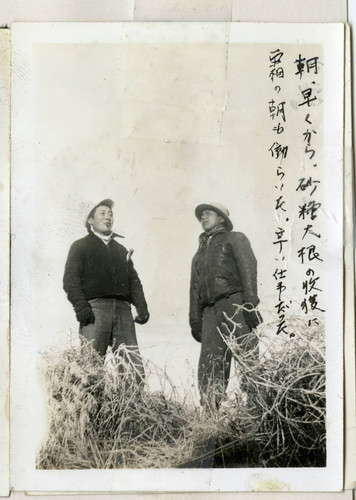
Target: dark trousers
215	356
114	326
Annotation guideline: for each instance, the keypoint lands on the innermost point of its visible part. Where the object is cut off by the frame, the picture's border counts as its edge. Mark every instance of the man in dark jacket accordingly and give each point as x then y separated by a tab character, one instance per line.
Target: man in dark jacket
223	275
101	283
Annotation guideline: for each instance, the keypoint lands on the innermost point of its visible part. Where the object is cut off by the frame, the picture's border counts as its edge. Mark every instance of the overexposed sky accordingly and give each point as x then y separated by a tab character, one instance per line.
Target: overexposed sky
159	127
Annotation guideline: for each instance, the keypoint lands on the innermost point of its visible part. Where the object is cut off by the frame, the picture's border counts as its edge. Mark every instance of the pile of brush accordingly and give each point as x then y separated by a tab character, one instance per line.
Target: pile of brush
101	417
281	410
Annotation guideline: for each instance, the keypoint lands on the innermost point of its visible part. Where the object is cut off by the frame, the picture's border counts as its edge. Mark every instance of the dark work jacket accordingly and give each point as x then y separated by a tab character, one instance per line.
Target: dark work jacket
224	264
94	269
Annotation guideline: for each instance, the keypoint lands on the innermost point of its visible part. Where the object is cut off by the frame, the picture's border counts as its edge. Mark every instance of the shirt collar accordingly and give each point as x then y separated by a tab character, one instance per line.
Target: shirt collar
105	238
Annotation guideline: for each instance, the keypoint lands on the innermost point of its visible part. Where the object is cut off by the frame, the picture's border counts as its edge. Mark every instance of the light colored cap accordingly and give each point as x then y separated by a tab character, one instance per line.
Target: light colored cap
219	209
106	203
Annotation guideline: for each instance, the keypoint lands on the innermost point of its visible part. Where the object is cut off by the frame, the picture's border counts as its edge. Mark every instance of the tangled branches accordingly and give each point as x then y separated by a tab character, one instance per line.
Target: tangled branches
284	388
100	417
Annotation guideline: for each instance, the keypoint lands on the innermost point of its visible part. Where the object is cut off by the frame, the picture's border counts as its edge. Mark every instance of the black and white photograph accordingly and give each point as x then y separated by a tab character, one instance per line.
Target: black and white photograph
177	256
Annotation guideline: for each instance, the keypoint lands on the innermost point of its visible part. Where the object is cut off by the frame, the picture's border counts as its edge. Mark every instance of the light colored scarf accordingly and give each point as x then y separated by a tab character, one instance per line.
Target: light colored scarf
106	238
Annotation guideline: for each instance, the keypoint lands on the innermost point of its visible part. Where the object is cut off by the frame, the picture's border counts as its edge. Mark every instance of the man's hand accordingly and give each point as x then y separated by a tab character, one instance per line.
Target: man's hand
142	316
86	316
252	317
196	327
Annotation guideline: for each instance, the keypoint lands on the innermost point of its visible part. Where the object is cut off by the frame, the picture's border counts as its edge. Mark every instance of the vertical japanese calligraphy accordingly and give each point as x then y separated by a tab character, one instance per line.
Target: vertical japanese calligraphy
294	114
279	154
307	77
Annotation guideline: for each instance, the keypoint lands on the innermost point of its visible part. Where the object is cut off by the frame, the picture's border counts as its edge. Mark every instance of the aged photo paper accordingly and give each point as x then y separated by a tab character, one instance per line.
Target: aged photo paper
349	285
5	256
276	11
161	118
305	11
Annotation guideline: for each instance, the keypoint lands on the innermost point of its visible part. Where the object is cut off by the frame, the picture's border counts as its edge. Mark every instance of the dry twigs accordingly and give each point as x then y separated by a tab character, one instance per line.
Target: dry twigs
285	388
100	417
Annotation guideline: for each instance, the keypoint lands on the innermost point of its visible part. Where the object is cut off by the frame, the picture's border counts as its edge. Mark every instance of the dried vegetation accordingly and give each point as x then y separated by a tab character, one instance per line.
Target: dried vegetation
99	416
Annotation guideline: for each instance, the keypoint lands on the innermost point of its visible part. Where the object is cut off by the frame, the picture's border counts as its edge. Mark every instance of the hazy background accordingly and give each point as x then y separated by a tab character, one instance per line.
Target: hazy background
158	127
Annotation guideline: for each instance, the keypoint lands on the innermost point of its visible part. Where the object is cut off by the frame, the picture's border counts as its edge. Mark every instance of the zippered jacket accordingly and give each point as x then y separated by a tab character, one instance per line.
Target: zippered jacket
94	269
224	264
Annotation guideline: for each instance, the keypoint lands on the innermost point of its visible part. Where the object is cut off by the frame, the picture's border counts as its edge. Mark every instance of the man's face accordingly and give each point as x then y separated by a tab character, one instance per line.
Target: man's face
210	219
102	220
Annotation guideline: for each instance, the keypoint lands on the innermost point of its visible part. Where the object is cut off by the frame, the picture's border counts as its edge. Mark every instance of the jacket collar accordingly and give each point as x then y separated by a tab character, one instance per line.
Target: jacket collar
217	230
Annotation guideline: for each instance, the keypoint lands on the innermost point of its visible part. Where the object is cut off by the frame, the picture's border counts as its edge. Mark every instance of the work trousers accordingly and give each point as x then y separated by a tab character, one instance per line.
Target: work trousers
215	356
114	326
